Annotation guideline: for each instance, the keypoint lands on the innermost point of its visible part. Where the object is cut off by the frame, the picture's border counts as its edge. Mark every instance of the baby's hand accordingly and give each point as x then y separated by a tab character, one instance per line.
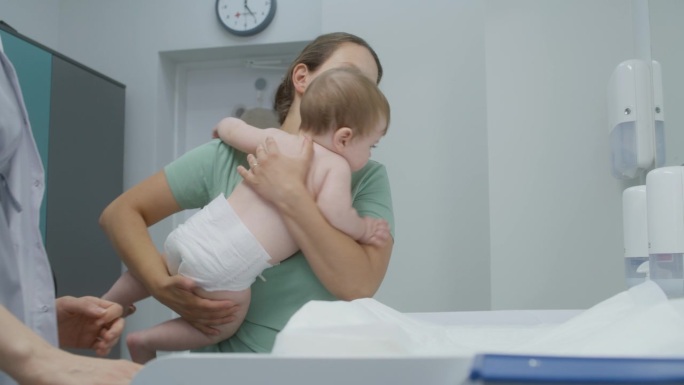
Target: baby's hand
377	231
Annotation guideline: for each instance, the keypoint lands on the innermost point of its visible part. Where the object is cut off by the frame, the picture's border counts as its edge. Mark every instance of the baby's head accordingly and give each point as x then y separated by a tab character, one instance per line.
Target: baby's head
348	110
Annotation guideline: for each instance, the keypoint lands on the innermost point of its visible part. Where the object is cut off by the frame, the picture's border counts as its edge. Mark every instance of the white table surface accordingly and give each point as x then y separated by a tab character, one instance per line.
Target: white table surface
262	369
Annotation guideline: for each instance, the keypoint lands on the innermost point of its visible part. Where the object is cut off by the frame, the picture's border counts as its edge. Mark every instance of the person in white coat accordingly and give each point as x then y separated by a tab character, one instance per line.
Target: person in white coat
33	322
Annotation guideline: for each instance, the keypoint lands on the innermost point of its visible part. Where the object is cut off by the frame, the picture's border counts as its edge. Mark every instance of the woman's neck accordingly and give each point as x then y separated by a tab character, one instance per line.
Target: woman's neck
293	119
291	124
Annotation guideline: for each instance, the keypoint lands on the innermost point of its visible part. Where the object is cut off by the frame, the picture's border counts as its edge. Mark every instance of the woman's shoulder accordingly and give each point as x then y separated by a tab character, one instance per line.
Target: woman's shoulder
210	152
372	194
373	175
203	172
372	168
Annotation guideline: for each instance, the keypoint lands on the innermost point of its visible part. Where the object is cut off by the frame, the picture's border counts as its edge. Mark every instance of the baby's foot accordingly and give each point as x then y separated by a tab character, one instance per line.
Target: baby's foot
139	353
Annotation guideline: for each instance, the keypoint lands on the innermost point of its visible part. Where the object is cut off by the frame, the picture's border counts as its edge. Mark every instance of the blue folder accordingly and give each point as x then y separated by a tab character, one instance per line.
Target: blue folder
530	369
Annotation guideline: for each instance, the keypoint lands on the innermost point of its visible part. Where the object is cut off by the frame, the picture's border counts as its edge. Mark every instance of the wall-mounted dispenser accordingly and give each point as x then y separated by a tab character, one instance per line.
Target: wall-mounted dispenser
636	144
665	208
659	114
635	230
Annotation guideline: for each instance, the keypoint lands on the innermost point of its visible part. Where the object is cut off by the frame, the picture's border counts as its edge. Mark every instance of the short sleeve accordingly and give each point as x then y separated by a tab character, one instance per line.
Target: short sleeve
371	193
202	173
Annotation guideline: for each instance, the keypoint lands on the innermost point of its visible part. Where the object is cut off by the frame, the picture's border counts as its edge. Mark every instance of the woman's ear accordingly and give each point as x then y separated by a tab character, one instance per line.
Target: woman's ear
342	137
300	77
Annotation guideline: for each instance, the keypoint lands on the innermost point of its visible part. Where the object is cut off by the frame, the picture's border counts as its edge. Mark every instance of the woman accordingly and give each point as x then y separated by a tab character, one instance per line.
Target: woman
330	264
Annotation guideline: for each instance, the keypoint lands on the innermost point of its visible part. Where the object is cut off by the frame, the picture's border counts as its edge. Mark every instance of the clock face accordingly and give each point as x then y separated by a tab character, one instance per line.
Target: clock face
245	17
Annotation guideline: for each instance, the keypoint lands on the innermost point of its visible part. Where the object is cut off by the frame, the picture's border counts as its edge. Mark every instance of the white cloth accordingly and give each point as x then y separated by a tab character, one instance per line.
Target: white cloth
635	323
26	283
215	249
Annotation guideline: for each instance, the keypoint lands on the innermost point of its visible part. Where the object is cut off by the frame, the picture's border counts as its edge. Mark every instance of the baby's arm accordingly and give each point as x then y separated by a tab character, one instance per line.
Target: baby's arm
335	203
240	135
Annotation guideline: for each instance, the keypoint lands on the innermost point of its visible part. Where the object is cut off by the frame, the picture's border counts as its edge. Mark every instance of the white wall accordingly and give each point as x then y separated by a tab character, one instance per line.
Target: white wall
498	149
556	222
36	19
667	31
435	150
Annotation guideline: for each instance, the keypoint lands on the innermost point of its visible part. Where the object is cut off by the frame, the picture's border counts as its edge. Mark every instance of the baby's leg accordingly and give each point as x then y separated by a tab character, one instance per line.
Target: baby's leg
126	291
177	334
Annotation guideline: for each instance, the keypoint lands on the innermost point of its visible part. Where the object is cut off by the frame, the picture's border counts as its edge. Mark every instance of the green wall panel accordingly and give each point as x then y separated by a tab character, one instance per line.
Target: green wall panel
34	70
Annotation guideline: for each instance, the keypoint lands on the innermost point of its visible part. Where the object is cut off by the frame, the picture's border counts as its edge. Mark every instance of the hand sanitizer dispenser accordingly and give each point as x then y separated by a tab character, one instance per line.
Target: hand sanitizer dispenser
636	118
635	233
659	114
665	208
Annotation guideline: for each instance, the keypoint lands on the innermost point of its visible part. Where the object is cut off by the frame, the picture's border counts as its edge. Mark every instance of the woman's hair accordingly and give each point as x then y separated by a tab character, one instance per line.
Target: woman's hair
313	55
343	97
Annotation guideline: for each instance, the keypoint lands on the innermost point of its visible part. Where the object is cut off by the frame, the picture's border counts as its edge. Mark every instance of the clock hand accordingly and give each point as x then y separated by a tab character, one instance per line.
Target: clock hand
250	11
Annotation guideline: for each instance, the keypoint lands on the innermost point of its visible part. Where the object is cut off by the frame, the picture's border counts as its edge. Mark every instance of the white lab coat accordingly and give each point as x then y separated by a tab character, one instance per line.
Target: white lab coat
26	282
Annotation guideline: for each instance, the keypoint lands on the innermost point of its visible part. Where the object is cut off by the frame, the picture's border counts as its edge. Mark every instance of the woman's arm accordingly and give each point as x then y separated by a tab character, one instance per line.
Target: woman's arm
31	360
347	269
125	221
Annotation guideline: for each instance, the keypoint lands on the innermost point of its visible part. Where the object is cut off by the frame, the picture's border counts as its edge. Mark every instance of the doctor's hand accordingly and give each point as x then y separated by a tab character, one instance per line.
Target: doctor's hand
178	293
276	177
88	323
52	366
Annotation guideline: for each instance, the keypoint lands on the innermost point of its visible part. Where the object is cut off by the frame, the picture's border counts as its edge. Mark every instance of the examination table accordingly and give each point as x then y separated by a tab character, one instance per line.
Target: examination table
262	369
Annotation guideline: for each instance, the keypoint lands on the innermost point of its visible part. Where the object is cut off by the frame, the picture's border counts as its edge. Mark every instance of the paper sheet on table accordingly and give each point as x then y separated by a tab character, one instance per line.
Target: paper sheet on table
638	322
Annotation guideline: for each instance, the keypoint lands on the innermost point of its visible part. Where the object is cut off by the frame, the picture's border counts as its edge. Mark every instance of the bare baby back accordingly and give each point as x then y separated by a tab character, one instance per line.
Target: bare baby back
261	217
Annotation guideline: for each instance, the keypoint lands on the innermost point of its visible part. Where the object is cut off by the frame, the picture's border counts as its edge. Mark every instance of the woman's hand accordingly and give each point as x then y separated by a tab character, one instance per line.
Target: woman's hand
178	293
89	323
276	177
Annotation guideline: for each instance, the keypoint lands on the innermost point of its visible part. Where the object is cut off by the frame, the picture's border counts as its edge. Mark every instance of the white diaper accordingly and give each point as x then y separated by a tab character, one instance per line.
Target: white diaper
214	248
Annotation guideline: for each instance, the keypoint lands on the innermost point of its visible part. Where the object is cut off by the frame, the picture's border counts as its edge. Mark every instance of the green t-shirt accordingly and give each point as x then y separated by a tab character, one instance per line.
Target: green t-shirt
210	169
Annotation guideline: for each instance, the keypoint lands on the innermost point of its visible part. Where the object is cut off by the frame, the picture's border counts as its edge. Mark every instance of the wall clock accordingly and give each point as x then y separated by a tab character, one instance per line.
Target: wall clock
245	17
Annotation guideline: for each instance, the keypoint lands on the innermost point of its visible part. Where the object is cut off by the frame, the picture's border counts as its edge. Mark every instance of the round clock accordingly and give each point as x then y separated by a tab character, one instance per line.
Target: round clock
245	17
